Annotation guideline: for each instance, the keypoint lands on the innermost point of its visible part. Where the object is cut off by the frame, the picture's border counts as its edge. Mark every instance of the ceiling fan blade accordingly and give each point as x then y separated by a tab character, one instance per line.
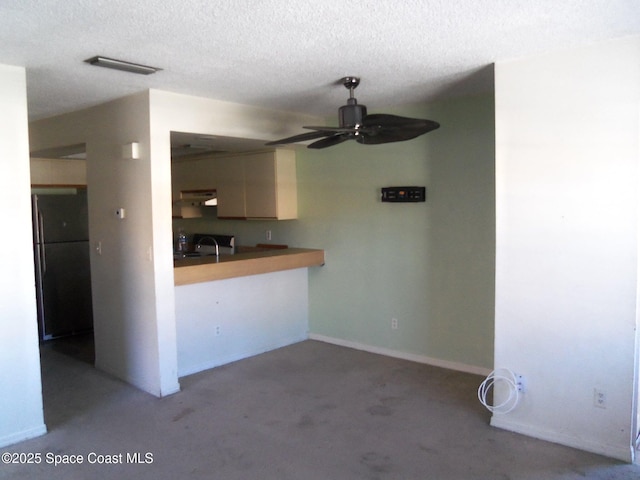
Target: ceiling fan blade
380	138
334	129
330	141
394	121
383	128
300	138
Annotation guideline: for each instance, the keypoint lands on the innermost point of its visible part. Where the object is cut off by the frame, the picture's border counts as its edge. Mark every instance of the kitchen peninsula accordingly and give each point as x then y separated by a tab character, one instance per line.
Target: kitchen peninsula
237	306
207	268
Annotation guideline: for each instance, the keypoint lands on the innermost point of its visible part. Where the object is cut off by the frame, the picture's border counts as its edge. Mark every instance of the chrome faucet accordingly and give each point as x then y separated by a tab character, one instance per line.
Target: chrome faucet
198	245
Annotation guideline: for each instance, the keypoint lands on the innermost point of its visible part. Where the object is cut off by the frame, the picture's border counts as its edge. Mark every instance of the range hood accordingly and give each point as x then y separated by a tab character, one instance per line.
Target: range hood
192	202
200	198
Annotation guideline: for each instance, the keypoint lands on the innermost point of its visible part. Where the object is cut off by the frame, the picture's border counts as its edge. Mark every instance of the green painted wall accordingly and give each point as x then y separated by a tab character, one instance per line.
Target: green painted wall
430	265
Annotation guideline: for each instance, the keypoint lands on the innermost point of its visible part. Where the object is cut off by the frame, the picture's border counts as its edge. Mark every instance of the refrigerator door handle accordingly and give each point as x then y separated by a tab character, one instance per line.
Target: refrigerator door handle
43	258
35	219
40	291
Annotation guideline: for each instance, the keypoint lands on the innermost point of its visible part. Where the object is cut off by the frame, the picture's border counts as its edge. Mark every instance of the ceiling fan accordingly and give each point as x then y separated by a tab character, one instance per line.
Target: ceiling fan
355	124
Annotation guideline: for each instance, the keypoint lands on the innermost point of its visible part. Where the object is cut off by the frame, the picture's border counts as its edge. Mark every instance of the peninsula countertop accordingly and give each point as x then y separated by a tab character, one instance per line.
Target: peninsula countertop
207	268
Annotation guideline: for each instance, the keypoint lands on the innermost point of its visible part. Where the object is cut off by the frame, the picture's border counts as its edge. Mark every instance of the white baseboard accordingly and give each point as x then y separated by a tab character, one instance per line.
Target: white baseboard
23	435
436	362
625	454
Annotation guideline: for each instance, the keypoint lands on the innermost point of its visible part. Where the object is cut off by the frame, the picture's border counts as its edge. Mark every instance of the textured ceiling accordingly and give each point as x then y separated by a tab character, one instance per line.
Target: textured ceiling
288	54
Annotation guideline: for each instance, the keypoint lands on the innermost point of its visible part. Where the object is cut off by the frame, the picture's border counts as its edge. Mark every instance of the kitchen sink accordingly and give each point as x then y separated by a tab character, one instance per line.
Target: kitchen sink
178	256
207	244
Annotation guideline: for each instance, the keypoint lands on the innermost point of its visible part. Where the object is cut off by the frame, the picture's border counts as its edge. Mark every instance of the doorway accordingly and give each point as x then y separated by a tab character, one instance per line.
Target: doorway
59	181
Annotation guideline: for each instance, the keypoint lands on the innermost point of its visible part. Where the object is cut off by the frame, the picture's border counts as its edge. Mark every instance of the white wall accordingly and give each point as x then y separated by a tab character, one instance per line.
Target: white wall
131	342
254	314
567	154
185	113
20	384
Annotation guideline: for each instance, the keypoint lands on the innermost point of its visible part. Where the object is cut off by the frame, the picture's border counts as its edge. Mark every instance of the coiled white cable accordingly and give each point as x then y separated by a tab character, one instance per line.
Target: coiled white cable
500	375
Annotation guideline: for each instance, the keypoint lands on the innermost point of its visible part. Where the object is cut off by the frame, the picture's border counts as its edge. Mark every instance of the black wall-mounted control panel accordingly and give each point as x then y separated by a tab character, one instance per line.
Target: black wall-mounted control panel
404	194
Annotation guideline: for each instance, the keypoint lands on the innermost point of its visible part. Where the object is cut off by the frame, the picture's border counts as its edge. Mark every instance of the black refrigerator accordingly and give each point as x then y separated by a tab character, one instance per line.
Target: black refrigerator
63	273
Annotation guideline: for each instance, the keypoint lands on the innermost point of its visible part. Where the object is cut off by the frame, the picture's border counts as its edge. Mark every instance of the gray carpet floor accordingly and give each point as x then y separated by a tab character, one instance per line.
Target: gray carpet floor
305	412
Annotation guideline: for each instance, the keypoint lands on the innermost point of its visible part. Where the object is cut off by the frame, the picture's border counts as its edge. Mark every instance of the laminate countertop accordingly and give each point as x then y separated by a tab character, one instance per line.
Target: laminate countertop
207	268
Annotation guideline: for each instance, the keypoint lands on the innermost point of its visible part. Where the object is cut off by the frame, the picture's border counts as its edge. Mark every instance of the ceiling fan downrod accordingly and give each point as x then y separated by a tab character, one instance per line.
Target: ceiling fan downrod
351	114
351	83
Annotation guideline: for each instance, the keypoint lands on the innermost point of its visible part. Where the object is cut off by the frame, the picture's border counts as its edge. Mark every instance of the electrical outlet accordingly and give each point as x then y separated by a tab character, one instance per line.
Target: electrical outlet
394	324
217	330
599	398
268	235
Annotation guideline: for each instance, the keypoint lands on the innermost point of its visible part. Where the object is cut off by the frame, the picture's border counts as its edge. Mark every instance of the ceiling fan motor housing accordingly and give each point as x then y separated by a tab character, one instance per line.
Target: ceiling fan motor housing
351	114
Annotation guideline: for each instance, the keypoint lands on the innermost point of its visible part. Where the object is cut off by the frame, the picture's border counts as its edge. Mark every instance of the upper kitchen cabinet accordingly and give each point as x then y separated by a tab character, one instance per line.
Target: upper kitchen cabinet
258	185
58	172
230	187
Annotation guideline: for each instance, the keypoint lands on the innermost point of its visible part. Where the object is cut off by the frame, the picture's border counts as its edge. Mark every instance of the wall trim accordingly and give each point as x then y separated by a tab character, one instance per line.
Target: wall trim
23	435
612	451
412	357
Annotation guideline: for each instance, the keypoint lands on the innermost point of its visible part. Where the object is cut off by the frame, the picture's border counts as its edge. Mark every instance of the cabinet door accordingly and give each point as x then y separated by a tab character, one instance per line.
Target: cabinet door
286	182
230	186
260	185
